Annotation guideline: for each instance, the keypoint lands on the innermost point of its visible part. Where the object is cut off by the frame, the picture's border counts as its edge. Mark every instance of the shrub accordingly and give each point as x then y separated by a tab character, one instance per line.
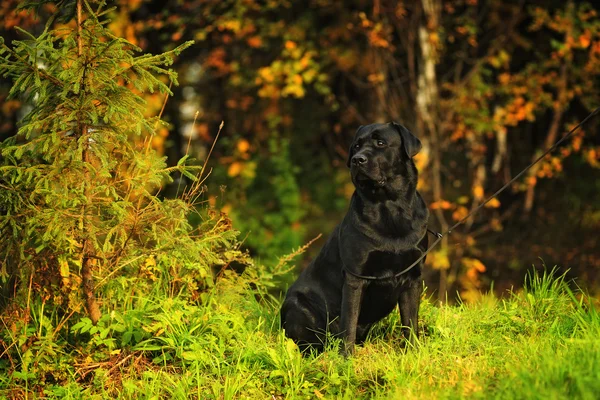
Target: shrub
79	216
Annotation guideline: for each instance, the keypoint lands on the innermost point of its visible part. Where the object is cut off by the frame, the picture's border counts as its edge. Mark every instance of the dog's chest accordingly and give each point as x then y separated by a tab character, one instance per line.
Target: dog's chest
386	263
381	296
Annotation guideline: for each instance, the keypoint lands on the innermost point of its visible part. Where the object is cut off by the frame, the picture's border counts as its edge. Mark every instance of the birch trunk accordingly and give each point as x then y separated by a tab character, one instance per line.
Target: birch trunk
427	102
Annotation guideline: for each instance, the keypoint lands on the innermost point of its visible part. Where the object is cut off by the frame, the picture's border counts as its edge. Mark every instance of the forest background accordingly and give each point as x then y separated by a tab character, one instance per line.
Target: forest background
165	167
486	86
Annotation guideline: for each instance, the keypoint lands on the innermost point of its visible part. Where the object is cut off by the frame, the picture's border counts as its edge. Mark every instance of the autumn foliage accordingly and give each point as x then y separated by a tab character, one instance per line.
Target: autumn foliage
487	85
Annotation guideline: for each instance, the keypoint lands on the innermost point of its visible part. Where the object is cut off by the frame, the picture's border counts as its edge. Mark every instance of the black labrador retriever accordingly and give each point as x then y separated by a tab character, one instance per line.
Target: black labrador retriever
383	232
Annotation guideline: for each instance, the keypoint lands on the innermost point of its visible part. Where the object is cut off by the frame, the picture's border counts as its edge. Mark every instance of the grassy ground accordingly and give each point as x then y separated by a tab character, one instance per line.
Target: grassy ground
543	342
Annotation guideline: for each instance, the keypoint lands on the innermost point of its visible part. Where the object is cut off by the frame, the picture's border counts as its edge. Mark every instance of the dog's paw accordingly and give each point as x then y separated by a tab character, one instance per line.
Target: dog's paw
347	350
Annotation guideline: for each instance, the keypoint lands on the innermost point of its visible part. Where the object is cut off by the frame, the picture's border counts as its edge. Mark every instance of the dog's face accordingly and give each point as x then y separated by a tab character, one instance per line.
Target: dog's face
380	156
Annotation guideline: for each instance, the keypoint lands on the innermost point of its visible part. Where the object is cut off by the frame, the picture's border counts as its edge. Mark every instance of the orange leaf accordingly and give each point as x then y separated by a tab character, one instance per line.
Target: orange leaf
473	264
504	78
443	204
158	142
585	39
460	213
478	192
493	203
375	78
163	132
176	36
235	169
243	146
297	79
254	41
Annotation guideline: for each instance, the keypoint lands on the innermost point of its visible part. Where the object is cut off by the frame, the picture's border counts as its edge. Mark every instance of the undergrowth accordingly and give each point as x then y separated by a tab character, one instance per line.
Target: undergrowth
541	342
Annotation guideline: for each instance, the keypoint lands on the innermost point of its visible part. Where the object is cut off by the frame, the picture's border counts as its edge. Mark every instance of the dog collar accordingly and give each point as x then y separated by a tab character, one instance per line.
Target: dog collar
380	278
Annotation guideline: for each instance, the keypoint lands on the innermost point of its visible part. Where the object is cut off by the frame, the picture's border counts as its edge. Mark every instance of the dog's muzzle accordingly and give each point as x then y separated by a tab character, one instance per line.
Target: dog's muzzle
363	178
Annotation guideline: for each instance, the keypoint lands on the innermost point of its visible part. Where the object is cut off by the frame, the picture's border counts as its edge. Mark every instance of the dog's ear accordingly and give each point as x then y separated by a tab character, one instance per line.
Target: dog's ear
351	150
412	145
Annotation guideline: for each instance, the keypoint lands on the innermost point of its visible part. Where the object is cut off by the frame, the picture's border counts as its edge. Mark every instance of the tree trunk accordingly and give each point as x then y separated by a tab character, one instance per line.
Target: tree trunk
87	284
427	102
87	258
551	137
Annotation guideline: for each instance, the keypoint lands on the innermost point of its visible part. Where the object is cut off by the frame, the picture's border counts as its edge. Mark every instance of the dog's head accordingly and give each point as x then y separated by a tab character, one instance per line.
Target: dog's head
380	157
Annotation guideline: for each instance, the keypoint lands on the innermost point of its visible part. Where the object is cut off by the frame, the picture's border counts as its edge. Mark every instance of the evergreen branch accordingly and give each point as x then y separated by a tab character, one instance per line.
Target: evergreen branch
139	65
33	68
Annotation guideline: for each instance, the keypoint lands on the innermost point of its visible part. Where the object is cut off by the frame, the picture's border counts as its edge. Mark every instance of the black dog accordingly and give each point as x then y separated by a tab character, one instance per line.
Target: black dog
383	232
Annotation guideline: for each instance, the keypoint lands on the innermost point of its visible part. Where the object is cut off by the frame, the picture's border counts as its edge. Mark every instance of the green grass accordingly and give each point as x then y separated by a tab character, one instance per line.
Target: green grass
543	342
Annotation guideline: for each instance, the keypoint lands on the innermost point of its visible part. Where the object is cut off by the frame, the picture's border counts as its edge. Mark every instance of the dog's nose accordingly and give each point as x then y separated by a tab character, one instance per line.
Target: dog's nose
359	159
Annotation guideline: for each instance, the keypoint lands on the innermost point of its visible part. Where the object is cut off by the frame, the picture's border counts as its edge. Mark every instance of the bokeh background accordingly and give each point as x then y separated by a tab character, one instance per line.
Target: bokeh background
486	86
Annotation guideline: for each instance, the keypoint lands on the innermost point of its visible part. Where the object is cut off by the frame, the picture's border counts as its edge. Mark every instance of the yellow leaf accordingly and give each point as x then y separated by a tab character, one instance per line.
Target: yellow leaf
439	260
226	209
493	203
234	169
232	25
474	264
266	74
421	160
478	192
348	190
376	78
592	157
64	268
64	271
463	200
249	171
291	348
158	142
150	262
309	75
295	90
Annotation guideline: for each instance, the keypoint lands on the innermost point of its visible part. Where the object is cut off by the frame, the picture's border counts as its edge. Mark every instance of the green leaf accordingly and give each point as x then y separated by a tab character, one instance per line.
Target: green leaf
182	160
126	338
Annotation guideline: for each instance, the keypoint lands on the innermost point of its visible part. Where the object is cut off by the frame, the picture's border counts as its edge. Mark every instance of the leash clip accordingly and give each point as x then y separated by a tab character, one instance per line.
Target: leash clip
436	234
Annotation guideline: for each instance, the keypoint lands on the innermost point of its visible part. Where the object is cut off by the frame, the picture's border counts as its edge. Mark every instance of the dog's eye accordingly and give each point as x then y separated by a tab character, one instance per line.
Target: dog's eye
357	146
380	142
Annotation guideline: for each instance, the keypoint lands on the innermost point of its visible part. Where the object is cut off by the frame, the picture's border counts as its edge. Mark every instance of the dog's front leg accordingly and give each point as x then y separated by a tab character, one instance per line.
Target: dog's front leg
408	303
352	293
